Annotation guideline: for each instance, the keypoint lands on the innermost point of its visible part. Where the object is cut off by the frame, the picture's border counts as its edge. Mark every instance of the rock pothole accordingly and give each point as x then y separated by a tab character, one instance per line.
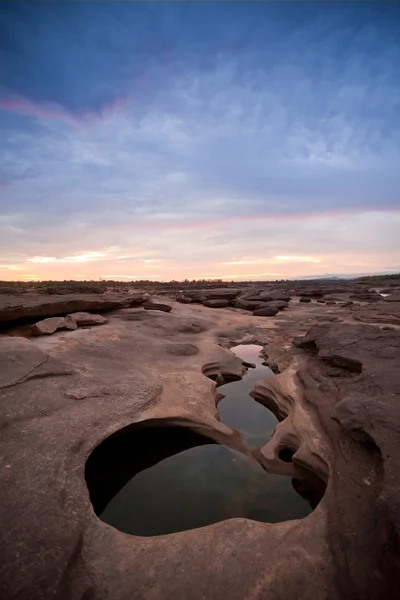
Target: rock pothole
156	480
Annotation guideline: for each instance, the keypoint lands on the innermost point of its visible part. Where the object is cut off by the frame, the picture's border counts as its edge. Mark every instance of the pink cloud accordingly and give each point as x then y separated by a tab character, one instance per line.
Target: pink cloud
26	107
9	181
52	110
221	222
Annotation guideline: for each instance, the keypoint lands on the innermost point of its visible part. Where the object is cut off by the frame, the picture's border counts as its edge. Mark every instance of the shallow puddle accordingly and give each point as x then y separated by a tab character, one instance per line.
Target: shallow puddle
160	480
239	410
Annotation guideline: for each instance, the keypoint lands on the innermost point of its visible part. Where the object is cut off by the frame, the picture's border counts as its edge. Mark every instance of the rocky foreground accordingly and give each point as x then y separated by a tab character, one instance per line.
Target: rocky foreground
116	359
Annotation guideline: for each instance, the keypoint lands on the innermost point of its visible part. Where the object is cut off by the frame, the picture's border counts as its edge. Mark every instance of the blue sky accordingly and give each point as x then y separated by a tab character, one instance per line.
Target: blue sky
188	139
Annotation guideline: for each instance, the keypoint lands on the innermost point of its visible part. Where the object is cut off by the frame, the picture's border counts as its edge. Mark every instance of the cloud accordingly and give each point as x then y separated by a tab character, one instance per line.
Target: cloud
302	259
86	257
12	267
198	133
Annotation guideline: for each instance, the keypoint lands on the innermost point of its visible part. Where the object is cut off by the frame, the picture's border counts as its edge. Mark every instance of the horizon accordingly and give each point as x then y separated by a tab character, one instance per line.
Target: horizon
172	141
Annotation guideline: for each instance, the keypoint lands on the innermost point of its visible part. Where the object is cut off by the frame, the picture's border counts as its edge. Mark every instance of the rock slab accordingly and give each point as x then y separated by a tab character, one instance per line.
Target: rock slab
53	324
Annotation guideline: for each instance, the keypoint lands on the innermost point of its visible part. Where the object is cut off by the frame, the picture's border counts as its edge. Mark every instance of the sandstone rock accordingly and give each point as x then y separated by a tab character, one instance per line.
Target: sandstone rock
330	302
51	325
377	312
323	338
35	306
247	304
346	429
192	327
278	304
201	295
278	295
157	306
373	297
303	299
221	294
182	349
183	299
393	297
267	297
311	292
85	318
265	311
216	303
75	288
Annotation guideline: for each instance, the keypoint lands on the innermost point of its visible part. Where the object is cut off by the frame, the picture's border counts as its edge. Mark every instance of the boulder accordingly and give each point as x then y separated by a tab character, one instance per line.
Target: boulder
183	299
278	304
216	303
247	304
277	295
53	324
157	306
303	299
85	318
265	311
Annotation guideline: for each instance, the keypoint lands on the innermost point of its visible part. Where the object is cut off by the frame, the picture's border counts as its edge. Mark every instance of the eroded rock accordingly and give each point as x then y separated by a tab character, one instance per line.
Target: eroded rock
85	318
34	306
265	311
148	305
216	303
182	349
393	297
53	324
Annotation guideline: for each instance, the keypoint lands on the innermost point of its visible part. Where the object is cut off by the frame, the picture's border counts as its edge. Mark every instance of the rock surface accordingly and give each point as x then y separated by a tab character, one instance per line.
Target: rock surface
85	318
378	312
53	324
183	299
393	297
277	304
336	394
216	303
368	297
35	306
247	304
148	305
265	311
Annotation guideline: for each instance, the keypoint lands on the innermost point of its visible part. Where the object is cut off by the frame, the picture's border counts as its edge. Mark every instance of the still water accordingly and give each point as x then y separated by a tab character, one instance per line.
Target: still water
160	480
241	411
198	487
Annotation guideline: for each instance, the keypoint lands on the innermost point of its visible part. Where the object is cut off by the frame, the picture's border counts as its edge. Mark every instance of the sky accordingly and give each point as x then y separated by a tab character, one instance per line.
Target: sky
158	140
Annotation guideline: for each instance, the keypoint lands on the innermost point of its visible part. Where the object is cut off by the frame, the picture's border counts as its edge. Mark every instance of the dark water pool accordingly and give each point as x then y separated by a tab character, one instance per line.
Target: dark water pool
241	411
160	480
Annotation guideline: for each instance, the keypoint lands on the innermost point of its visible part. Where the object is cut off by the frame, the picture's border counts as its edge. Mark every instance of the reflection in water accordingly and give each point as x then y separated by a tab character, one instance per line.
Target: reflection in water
241	411
158	480
199	487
